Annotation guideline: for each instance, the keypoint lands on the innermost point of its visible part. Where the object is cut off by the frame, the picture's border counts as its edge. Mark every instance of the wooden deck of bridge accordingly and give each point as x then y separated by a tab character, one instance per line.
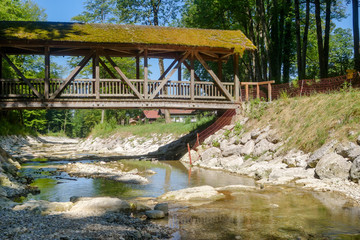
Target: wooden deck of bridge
119	91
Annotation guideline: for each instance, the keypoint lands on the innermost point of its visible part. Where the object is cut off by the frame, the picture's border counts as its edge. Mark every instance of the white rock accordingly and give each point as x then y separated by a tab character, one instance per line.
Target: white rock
211	153
333	165
231	163
202	193
318	154
99	205
248	148
262	147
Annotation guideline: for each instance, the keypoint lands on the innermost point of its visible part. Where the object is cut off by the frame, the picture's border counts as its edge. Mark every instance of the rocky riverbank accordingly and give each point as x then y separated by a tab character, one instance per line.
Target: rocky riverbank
261	154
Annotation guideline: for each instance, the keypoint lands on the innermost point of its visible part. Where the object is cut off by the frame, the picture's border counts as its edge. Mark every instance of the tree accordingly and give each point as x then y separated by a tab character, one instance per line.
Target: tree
355	8
97	11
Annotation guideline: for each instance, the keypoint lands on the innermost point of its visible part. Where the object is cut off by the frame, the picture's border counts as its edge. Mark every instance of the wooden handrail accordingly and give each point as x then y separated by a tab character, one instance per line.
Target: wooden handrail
257	84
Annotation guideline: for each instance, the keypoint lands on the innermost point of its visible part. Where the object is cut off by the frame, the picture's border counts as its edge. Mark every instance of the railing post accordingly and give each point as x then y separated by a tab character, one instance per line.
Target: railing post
269	92
146	74
97	75
192	76
237	87
257	91
137	67
247	92
47	73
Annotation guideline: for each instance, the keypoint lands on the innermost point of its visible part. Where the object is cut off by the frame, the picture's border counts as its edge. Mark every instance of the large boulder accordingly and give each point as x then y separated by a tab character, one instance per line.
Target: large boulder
318	154
99	205
296	159
245	138
211	153
248	148
262	147
333	165
231	150
355	170
349	150
202	193
231	163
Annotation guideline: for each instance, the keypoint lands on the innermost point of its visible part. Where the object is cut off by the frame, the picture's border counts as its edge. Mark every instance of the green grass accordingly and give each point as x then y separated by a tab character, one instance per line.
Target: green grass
310	121
147	130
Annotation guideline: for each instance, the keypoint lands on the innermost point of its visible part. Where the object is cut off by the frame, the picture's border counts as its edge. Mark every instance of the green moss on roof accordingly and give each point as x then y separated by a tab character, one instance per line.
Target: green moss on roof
111	33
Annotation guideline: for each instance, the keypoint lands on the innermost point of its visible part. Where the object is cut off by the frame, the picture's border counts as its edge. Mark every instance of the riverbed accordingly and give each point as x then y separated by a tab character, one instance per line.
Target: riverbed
279	212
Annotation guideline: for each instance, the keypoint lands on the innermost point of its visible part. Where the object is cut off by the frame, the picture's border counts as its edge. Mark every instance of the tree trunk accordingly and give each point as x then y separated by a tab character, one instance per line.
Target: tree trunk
286	56
275	47
355	7
320	40
327	36
305	40
298	39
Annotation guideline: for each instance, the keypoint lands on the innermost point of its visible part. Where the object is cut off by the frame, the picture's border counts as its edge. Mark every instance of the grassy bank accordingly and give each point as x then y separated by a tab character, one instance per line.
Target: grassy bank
146	130
9	127
308	122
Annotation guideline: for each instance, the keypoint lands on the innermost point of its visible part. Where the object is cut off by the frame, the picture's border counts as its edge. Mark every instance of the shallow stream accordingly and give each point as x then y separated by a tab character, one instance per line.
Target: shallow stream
269	213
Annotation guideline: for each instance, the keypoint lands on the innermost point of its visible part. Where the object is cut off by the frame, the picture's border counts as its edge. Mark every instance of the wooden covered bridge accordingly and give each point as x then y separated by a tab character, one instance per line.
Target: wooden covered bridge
100	44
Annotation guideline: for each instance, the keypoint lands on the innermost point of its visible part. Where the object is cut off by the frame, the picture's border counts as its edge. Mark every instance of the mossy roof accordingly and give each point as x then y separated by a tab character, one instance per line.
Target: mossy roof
124	34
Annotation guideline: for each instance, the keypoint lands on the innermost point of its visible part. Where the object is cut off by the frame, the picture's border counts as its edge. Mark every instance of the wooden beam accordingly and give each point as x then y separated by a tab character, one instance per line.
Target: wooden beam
73	74
163	82
47	73
39	95
246	92
169	68
146	74
213	75
97	75
237	88
137	67
258	91
187	65
192	78
123	76
179	73
107	69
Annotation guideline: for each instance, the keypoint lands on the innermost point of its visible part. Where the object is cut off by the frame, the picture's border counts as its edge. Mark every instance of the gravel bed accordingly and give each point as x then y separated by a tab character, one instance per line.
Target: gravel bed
26	225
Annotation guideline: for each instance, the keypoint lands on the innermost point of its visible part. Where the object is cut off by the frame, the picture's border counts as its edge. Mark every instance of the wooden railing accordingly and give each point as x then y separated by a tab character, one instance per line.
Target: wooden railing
115	88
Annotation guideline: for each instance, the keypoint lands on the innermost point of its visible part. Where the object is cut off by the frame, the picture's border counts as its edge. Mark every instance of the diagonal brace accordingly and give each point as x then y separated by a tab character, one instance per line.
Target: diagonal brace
39	95
73	74
216	79
163	82
123	76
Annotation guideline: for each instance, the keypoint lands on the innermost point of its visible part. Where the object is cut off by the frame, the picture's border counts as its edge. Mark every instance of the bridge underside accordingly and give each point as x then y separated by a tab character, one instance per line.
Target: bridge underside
114	104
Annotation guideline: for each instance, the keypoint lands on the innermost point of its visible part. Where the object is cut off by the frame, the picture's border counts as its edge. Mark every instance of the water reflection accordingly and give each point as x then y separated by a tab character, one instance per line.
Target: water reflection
270	213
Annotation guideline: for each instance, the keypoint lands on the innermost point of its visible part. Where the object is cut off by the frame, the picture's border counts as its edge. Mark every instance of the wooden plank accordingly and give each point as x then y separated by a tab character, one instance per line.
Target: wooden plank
72	75
179	73
39	95
163	82
146	74
256	83
220	70
123	76
192	78
97	75
237	88
107	69
47	73
216	79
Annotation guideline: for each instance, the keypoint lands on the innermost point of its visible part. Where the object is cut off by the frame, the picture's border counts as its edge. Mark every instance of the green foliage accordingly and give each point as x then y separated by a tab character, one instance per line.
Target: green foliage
346	87
257	108
238	128
35	119
284	95
215	143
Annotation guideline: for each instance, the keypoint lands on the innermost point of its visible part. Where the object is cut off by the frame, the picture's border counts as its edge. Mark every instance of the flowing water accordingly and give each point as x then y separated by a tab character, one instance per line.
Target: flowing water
269	213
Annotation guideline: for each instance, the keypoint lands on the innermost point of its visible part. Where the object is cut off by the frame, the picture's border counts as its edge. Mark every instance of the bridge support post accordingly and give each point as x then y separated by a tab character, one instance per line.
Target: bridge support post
237	88
192	76
47	73
137	67
97	75
146	73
